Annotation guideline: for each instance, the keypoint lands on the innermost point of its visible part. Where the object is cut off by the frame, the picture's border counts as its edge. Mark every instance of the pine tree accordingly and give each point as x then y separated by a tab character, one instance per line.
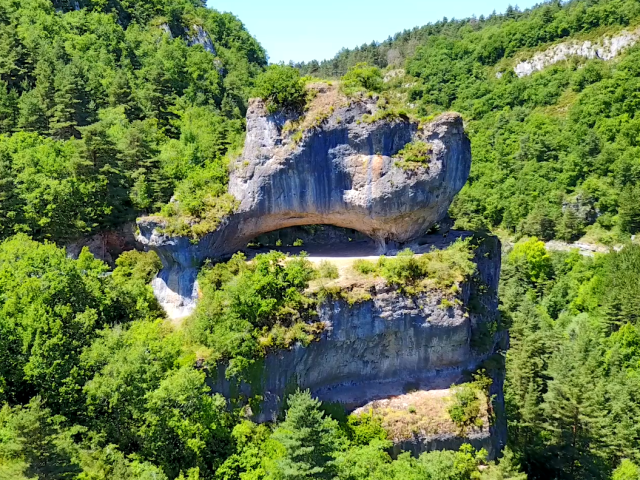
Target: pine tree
310	440
64	117
9	201
573	406
8	108
629	209
31	114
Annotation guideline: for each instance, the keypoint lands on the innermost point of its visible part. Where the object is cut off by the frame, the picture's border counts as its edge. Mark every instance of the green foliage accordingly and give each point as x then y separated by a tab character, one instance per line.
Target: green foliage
442	269
364	429
184	426
629	209
626	471
532	258
249	308
128	365
362	78
34	444
507	469
282	88
107	108
572	382
52	308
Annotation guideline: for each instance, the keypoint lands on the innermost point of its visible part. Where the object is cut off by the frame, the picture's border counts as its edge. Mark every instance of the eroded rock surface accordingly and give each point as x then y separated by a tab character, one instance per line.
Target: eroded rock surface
605	49
385	346
340	171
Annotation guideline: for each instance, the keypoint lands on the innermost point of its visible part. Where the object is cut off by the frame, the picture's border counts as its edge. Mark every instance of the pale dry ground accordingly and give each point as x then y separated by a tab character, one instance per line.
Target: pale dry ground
421	413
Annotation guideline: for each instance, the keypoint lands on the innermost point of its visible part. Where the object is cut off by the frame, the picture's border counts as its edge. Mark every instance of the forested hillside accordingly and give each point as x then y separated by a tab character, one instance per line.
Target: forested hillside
106	106
109	108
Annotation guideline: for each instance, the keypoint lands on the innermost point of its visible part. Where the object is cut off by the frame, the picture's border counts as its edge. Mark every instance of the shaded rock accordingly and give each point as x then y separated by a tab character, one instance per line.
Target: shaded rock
199	36
382	347
106	246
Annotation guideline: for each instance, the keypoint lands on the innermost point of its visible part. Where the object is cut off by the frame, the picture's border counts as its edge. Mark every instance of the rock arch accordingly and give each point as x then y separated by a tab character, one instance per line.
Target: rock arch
342	172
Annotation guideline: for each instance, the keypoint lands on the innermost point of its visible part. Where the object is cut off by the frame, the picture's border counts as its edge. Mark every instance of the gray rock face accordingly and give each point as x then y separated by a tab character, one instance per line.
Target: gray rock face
199	36
342	173
383	347
605	49
107	245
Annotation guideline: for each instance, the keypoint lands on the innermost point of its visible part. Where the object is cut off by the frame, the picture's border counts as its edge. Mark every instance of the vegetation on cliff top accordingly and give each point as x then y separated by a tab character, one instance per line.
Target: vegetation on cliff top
438	269
250	308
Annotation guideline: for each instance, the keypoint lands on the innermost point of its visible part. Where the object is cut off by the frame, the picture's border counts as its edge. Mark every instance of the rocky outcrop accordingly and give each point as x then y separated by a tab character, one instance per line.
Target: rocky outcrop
107	245
605	49
384	346
199	36
341	172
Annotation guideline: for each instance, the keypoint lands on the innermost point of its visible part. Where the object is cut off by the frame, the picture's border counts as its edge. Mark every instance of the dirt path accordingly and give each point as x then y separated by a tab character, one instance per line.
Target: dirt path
344	254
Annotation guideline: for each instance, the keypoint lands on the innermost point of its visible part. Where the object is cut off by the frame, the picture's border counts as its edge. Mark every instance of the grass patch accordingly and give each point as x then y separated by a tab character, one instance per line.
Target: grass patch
412	274
423	413
414	155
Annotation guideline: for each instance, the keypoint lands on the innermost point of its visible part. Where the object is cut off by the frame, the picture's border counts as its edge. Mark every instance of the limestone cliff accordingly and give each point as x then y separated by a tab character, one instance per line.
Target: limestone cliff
337	169
339	164
387	346
606	48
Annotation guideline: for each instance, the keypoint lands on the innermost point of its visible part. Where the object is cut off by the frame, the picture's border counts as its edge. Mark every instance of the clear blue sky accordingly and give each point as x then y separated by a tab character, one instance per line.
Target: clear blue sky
306	30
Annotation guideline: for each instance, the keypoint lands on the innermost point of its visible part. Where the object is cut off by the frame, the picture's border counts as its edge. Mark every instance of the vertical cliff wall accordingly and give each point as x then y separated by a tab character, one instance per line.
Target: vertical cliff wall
385	346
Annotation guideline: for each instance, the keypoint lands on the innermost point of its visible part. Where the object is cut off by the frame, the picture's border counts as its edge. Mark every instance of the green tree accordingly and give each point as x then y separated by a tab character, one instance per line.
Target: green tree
34	444
572	405
630	209
532	258
8	108
310	440
362	77
281	88
184	425
626	471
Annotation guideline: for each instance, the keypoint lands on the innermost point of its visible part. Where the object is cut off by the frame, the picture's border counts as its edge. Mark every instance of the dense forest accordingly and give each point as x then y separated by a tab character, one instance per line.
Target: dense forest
109	108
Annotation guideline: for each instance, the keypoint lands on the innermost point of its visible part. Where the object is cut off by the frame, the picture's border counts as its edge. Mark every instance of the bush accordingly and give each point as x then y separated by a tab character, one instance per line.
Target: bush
416	152
282	88
364	267
250	308
411	273
465	407
328	270
362	77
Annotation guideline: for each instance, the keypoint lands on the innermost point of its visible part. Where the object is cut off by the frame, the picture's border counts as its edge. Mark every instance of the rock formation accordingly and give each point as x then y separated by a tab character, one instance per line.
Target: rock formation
605	49
340	171
389	345
339	165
